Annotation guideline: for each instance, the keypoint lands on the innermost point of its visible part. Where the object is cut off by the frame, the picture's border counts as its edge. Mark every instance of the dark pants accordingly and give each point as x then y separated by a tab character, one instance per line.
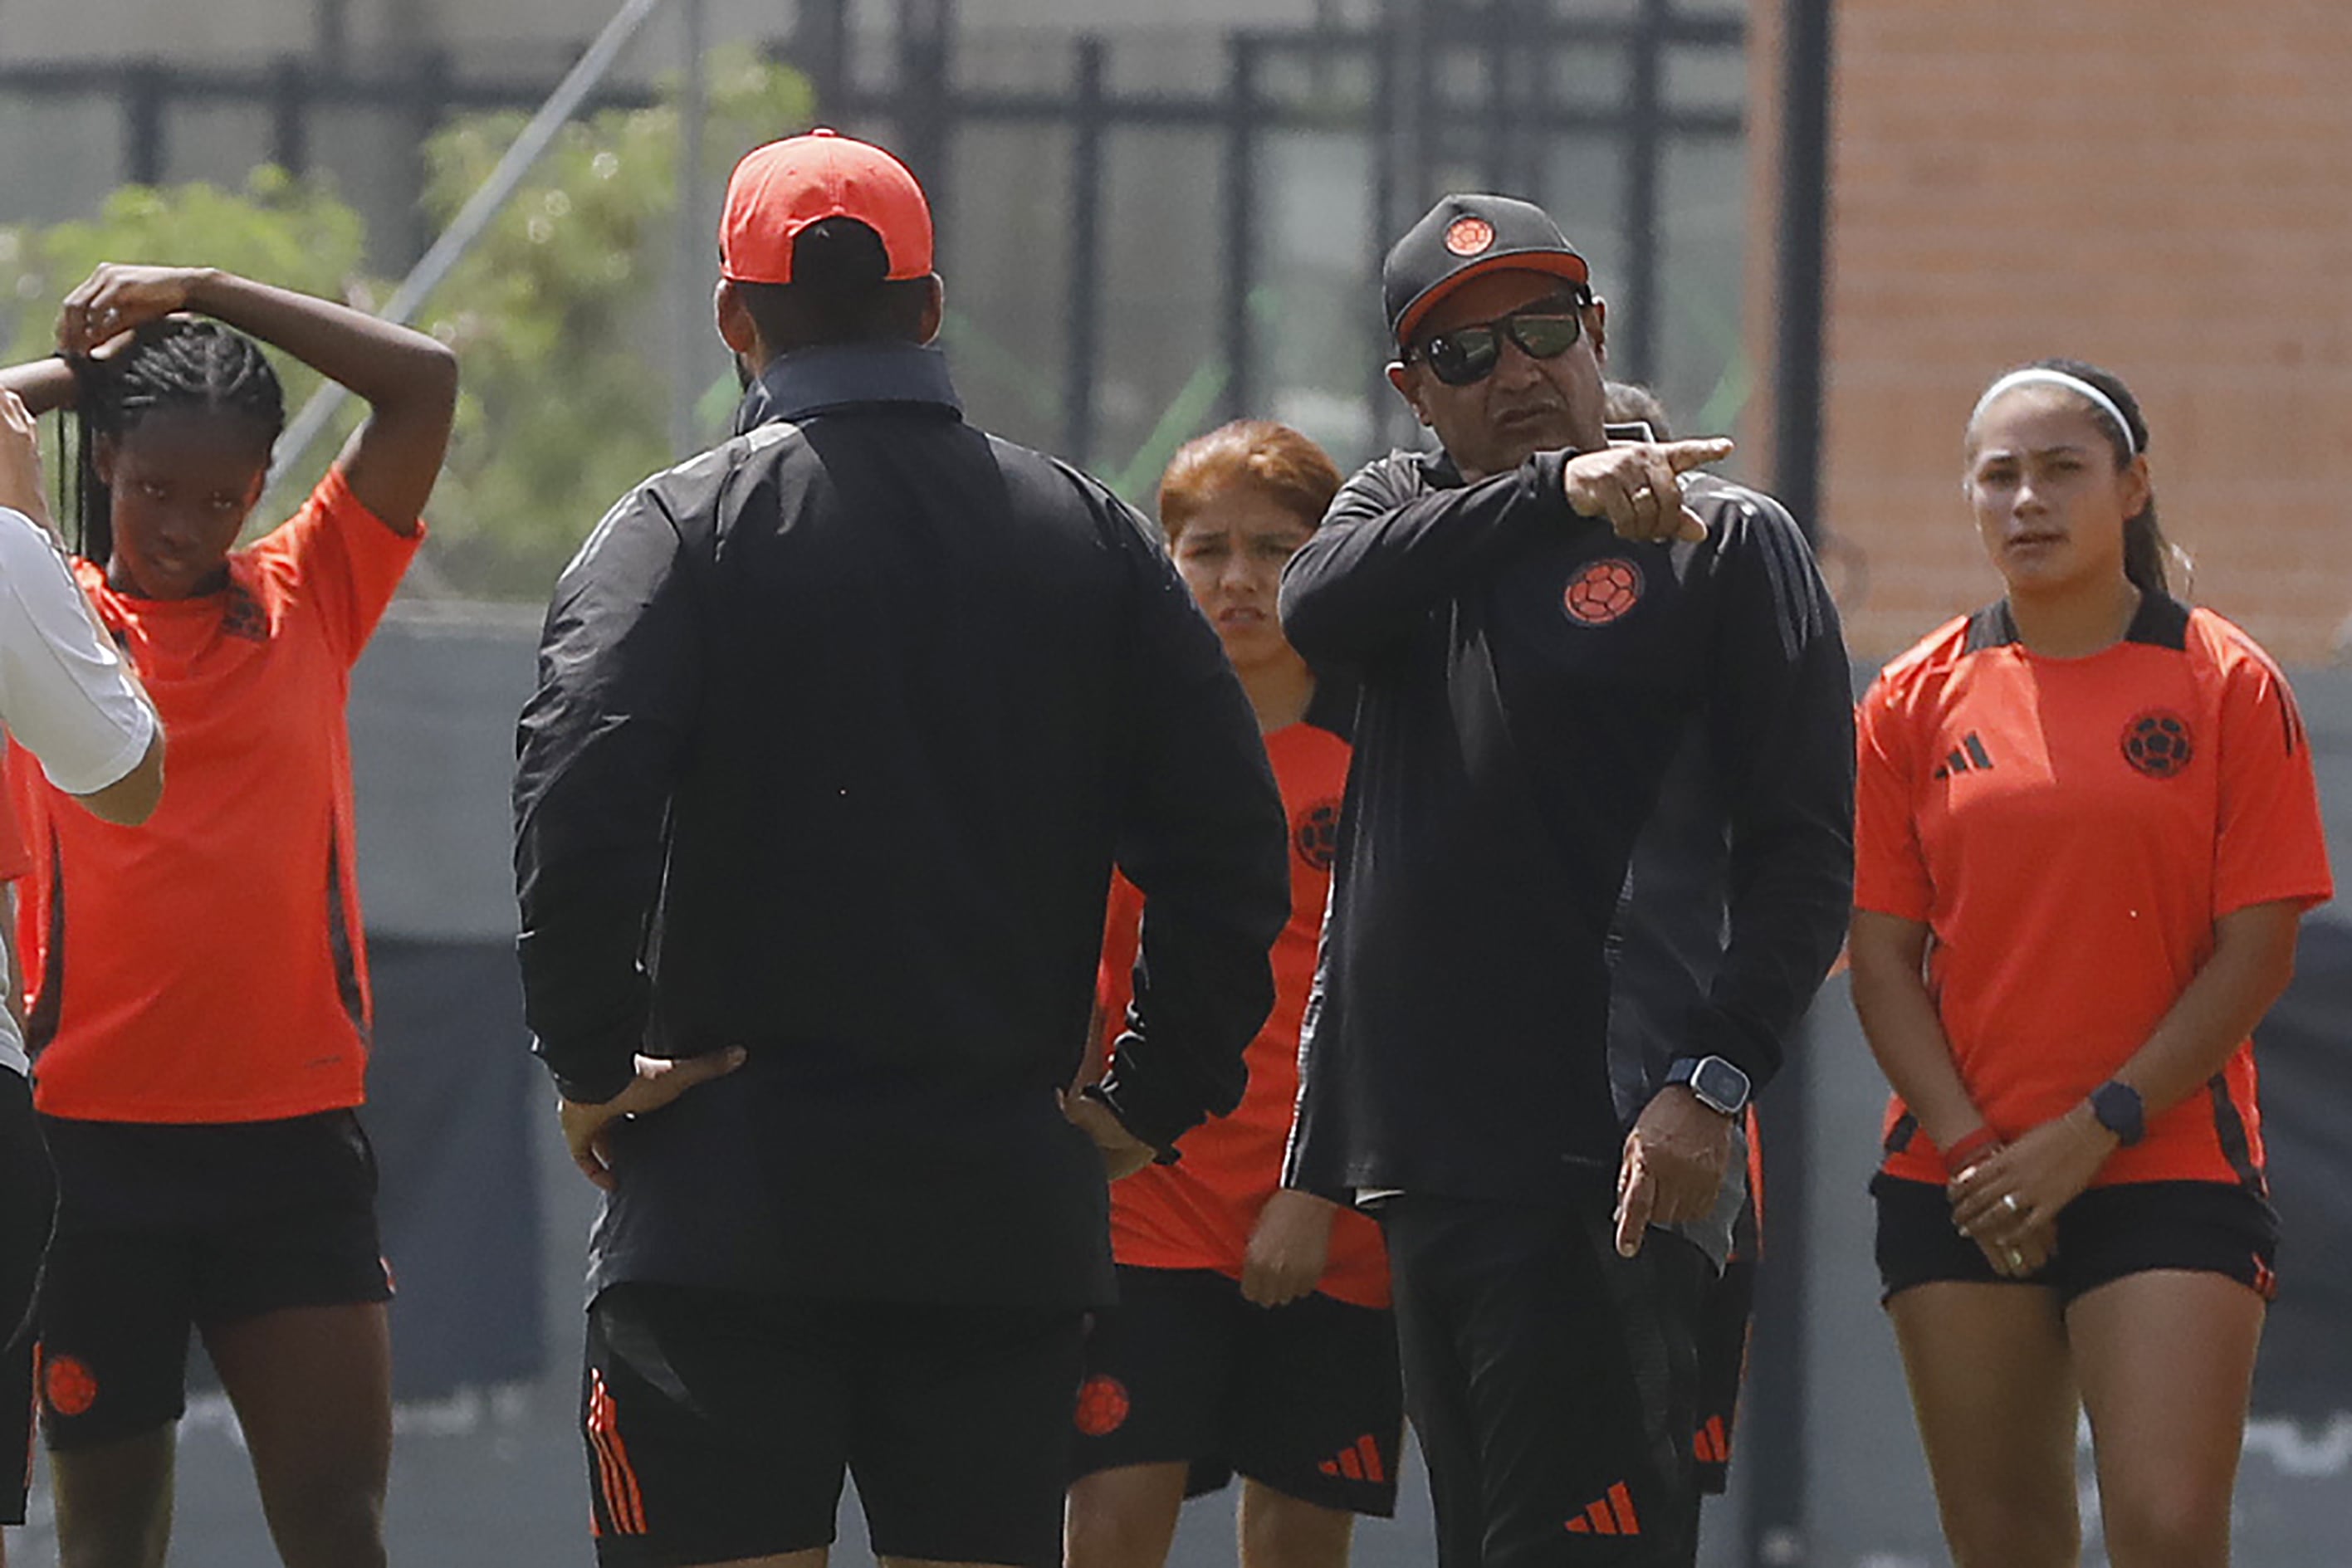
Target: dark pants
1554	1385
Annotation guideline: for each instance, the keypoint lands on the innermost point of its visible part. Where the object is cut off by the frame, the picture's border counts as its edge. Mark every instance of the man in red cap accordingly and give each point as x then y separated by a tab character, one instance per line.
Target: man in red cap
1548	630
841	727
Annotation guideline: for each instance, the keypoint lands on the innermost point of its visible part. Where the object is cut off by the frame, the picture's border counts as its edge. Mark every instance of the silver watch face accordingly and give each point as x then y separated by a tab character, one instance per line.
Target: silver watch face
1720	1084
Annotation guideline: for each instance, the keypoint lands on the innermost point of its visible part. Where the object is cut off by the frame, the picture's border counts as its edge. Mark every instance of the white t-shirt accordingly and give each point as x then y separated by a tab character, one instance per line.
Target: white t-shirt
66	695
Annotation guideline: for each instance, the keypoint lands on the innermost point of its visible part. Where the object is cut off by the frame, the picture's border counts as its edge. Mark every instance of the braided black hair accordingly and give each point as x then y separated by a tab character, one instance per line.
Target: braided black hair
180	363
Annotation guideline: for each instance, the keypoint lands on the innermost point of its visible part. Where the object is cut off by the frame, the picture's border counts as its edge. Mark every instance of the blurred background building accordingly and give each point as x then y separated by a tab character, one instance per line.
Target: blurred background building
1822	225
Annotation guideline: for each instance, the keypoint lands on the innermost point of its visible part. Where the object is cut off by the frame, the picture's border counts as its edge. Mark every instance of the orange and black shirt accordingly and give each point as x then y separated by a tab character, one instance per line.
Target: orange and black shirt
1199	1212
2069	830
208	966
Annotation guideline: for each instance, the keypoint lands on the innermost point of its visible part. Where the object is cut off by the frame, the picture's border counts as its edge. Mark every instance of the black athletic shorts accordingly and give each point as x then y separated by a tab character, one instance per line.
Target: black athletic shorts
166	1227
2205	1227
719	1424
1725	1317
27	1209
1305	1398
1554	1385
16	1364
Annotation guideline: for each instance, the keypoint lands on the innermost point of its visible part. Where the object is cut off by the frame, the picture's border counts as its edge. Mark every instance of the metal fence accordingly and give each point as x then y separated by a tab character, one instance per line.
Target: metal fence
1048	155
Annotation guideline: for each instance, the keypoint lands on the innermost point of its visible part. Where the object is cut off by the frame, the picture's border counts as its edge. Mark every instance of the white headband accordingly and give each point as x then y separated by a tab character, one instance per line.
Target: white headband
2042	375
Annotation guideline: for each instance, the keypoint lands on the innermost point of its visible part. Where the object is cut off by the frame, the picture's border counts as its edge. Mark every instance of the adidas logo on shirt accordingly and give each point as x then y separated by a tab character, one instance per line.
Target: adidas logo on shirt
1969	756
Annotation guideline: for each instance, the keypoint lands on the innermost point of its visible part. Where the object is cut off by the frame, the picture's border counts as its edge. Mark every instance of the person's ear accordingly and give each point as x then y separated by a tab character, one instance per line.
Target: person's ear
935	308
1406	379
1596	322
736	327
2138	486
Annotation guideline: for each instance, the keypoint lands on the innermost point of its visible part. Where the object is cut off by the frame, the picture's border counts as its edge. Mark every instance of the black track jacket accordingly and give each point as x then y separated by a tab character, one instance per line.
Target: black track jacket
840	727
1529	682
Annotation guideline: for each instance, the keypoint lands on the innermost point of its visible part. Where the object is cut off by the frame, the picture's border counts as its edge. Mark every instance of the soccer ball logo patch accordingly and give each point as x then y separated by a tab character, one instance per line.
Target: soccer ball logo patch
2159	744
1468	236
1102	1406
1316	834
1602	592
68	1385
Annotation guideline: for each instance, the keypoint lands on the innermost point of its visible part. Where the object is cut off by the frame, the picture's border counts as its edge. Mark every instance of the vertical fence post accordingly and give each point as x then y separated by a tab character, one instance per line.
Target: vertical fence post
330	34
1775	1448
689	321
821	47
1633	344
428	104
143	91
1497	121
289	114
1085	252
1241	220
925	97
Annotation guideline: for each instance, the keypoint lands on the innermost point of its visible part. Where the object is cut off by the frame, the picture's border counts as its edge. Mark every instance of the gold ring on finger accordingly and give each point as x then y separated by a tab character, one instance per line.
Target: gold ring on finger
1643	495
2016	1258
2009	1201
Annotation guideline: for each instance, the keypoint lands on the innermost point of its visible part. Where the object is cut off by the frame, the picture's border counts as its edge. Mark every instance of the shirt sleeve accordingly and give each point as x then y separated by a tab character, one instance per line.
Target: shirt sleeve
343	560
65	693
1781	718
1201	835
1890	867
2272	844
1390	549
600	749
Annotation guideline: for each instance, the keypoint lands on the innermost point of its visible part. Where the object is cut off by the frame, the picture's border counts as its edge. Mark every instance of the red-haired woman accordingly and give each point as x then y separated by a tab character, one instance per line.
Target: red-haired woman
2088	826
1253	1333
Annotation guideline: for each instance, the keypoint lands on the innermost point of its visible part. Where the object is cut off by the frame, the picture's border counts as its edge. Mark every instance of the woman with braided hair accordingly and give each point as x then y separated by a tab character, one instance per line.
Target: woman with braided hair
197	995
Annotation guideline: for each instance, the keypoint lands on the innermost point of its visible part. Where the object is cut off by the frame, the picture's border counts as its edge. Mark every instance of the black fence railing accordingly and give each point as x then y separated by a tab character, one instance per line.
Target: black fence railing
1438	92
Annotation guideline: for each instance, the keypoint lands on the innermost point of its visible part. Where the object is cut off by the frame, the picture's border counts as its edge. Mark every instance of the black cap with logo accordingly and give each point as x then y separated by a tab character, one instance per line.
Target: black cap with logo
1467	236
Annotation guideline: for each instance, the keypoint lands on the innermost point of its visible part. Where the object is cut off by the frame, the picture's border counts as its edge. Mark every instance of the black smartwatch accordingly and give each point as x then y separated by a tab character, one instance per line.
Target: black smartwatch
1718	1085
2118	1109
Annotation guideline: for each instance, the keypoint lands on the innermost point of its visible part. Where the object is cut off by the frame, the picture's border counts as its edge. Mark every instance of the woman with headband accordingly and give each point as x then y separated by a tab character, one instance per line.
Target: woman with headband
2087	828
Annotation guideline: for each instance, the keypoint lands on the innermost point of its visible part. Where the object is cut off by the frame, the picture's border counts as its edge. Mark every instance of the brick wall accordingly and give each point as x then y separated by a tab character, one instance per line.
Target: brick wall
2163	190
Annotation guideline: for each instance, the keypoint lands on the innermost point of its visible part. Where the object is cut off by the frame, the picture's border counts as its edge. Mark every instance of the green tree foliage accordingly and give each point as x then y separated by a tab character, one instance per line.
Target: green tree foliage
560	314
561	320
285	231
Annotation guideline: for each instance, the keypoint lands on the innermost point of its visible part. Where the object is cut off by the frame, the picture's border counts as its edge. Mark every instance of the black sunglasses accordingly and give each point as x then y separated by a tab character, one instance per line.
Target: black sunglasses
1468	354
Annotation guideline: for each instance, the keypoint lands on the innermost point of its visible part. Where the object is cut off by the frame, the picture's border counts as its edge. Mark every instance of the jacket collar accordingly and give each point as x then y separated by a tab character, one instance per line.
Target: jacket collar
845	375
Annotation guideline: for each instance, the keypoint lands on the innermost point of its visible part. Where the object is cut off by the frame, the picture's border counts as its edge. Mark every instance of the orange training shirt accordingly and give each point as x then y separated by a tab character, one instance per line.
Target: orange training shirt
2069	830
1199	1212
208	966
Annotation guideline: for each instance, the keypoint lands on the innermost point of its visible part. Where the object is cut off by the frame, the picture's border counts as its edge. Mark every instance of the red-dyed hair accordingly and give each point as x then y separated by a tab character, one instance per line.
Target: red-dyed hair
1275	458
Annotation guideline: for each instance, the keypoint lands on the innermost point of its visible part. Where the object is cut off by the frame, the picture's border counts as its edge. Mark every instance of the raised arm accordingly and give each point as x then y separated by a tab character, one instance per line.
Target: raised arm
43	386
1389	552
408	380
69	696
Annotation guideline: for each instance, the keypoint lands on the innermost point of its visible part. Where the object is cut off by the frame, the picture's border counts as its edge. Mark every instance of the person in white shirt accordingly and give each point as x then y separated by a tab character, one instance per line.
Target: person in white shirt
68	698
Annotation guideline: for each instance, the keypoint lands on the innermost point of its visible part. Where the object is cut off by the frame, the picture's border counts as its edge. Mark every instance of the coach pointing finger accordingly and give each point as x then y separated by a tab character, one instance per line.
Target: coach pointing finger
1638	488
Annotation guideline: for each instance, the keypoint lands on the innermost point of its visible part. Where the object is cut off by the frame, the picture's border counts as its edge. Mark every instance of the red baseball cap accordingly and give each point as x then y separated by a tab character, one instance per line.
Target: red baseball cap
782	188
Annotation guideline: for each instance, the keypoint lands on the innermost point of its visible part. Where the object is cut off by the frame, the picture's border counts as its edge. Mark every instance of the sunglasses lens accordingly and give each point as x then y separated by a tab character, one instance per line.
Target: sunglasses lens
1545	337
1457	359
